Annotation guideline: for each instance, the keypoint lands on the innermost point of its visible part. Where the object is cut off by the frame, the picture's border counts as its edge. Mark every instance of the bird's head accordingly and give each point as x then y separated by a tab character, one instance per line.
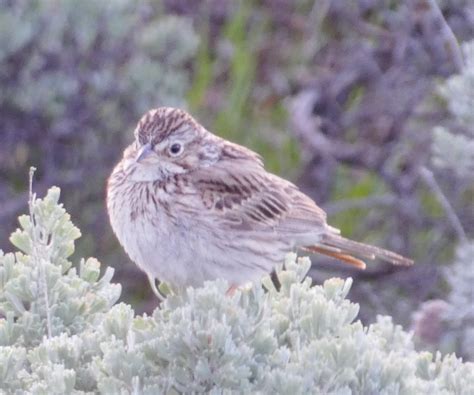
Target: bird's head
169	141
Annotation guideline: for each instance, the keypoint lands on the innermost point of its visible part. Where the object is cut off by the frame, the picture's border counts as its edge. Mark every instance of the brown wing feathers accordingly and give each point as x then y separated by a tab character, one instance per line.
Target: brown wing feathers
268	200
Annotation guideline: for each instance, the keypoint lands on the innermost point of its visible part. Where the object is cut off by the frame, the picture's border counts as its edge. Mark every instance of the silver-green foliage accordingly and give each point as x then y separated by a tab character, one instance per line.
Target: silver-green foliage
459	315
453	148
61	332
125	52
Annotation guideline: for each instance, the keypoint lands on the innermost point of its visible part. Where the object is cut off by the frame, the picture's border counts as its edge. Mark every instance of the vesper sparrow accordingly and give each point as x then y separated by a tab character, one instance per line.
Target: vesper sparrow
189	206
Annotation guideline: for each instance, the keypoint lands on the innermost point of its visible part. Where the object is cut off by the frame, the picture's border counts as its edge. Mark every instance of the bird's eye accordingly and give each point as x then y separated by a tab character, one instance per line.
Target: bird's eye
175	149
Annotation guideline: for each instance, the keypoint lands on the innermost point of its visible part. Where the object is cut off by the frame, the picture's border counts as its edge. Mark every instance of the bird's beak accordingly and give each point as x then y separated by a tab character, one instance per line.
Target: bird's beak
143	152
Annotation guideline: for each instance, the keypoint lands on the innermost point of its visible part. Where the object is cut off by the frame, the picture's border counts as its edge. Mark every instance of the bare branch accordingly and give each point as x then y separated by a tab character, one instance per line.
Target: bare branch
428	177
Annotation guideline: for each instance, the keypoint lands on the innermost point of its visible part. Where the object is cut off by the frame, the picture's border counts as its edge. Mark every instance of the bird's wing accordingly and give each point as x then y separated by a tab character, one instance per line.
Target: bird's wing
238	193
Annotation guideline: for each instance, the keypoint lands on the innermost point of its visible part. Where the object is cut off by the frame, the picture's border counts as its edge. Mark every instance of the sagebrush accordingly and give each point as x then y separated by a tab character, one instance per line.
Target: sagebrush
62	331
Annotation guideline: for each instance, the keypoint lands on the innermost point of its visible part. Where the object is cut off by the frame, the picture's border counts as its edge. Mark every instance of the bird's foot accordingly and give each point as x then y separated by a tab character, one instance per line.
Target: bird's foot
231	290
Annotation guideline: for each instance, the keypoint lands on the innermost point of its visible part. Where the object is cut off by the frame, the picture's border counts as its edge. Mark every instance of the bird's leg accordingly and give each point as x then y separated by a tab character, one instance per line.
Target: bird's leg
155	290
231	290
275	280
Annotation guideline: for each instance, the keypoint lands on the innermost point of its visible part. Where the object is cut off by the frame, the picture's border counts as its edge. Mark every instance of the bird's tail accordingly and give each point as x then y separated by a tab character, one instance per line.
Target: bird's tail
350	251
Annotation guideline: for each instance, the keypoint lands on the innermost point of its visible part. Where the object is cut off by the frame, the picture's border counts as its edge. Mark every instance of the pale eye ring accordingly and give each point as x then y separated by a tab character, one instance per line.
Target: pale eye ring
175	149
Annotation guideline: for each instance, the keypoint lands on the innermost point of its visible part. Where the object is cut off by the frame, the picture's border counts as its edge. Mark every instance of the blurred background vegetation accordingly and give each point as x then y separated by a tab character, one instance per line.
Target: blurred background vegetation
364	104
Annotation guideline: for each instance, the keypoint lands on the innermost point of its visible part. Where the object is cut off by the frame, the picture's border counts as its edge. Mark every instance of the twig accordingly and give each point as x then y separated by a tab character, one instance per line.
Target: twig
434	25
31	197
39	262
430	180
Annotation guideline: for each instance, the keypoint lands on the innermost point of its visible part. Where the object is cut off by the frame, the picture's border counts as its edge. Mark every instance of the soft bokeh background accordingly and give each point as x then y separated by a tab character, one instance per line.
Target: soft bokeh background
364	104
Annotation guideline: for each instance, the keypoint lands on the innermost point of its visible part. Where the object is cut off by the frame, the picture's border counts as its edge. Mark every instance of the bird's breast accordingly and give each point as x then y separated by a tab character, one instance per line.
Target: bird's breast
158	240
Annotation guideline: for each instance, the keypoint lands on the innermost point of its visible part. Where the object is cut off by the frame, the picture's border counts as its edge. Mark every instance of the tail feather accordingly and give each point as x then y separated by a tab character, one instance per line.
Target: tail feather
338	255
349	251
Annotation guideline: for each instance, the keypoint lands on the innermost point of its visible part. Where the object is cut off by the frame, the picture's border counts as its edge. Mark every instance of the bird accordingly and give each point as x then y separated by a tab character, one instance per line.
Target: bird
188	206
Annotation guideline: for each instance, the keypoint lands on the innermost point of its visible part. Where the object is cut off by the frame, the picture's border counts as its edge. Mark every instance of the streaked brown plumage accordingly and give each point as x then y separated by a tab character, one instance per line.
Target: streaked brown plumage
188	206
